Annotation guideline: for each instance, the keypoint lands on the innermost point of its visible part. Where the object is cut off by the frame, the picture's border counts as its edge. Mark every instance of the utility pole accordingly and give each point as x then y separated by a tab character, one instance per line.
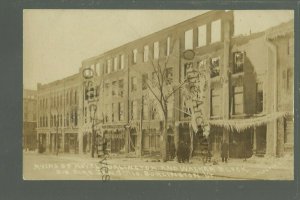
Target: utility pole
141	128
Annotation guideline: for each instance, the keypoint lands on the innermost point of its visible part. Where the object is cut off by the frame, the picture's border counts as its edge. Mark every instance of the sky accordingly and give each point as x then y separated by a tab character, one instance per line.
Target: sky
55	42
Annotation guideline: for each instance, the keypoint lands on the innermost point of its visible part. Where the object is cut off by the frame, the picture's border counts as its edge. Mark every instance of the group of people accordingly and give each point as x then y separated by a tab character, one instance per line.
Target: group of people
183	152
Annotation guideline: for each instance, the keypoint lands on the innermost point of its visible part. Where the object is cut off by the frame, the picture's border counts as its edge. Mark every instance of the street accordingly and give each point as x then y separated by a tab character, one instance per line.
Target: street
82	167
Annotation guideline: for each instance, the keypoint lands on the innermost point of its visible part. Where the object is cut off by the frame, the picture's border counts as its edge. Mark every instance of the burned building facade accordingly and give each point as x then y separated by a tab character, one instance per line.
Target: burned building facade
245	96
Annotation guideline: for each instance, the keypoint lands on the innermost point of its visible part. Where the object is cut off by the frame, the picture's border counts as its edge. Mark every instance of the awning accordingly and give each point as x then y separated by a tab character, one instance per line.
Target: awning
243	124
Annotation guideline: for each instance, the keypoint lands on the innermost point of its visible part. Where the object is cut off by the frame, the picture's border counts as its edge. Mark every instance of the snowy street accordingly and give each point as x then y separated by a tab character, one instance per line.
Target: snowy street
82	167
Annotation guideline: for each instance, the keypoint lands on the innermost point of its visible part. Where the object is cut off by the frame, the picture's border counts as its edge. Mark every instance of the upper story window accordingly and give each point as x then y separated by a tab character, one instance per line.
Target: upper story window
259	97
215	67
133	84
121	86
238	62
106	90
238	100
109	65
188	39
121	111
202	35
134	54
122	61
144	81
145	110
215	106
114	88
146	53
156	50
168	50
97	69
134	110
169	75
216	31
115	63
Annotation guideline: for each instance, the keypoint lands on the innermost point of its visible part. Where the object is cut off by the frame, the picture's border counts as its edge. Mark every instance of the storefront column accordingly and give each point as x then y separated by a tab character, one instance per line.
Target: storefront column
271	138
254	141
48	142
176	138
80	142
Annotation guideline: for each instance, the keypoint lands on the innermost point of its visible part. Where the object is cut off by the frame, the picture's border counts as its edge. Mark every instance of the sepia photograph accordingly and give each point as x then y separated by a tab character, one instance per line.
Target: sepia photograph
158	94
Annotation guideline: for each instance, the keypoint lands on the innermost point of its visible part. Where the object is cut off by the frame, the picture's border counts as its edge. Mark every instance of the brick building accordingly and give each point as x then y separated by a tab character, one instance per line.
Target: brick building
246	95
29	119
58	104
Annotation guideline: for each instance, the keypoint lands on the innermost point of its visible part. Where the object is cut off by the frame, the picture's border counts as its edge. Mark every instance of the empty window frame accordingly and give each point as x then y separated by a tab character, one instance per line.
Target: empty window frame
122	61
156	50
238	100
238	59
115	63
146	53
216	31
202	35
134	56
188	39
215	106
215	67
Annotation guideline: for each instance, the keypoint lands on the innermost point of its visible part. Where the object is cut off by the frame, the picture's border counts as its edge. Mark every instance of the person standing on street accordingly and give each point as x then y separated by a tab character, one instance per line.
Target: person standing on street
224	151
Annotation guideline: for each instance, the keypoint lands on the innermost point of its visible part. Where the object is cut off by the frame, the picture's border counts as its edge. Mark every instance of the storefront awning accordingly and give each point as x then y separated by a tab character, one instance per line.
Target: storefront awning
243	124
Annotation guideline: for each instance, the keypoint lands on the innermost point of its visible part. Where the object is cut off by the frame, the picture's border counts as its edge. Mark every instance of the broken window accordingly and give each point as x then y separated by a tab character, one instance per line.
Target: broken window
238	62
215	67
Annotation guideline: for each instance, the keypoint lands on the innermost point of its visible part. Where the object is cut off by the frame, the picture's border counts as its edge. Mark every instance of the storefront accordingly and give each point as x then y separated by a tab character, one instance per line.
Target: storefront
71	142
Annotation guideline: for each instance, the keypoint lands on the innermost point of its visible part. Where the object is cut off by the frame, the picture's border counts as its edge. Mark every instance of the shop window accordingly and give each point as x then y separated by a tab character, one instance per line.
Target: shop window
238	62
215	106
188	39
144	81
156	50
215	67
134	56
238	100
259	97
216	31
146	53
133	84
202	36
